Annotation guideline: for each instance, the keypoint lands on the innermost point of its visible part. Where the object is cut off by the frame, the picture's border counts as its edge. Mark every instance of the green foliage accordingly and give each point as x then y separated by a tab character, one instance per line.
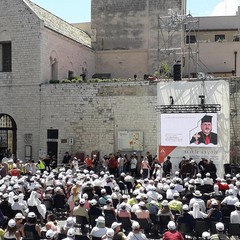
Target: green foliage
54	81
91	80
165	70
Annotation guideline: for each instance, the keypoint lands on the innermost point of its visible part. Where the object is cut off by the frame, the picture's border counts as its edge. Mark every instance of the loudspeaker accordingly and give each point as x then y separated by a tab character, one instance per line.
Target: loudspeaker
177	72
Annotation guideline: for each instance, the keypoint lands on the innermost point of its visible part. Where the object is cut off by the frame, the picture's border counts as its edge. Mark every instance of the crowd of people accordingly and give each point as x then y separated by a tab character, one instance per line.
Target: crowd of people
116	198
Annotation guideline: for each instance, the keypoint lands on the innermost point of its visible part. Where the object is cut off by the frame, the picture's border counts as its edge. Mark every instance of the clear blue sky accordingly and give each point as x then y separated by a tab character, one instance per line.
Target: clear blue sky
80	10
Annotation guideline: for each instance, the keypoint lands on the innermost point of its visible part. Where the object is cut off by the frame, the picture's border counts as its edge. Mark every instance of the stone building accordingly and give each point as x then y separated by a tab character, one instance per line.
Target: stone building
35	47
38	118
126	35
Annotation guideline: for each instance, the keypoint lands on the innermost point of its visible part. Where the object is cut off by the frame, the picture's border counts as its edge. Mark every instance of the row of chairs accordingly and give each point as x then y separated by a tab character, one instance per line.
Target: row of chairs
201	226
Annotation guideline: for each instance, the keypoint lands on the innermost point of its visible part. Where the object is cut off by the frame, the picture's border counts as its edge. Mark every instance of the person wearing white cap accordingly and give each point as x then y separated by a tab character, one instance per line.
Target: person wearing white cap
165	211
70	222
235	215
11	231
199	181
214	213
50	234
220	232
172	232
19	222
16	206
5	207
100	229
118	234
230	199
109	234
31	229
103	199
171	191
175	205
185	217
197	199
70	234
81	211
208	180
136	233
205	236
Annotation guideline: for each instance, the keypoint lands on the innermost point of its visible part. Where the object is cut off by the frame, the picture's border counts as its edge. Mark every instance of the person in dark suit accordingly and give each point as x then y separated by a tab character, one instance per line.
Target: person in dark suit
206	136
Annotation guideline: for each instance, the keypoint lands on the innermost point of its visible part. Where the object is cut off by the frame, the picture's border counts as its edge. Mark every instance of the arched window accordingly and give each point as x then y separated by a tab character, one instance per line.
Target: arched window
8	133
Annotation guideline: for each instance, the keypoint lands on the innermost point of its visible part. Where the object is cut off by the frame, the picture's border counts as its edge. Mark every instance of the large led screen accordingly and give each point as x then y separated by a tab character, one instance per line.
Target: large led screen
197	129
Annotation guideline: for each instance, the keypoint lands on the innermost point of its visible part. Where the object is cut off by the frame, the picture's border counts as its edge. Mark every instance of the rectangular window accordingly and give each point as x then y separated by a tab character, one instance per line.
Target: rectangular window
5	57
52	133
219	37
191	39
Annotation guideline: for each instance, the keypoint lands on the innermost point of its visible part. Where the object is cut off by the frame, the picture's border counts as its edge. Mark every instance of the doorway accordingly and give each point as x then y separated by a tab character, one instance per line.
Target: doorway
8	137
52	149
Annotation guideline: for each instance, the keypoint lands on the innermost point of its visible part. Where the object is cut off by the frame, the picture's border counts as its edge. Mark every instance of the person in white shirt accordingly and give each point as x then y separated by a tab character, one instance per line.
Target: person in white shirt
99	230
197	213
230	199
199	179
120	164
197	199
136	234
133	166
235	215
208	180
171	191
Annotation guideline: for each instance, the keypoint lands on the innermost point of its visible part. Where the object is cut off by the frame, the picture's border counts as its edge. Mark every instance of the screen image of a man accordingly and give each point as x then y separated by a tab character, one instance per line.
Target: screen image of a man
205	136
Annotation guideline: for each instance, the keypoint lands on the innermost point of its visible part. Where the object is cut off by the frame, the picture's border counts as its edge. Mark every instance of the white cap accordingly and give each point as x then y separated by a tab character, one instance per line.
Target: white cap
70	222
176	194
214	203
11	223
171	225
5	195
135	225
71	232
185	207
49	188
93	202
219	226
237	204
50	233
82	201
31	215
100	219
165	203
142	204
115	224
103	190
19	216
110	233
205	235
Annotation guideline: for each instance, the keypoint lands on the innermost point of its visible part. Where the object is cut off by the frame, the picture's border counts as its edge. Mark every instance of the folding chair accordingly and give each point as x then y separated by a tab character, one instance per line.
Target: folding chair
83	223
200	226
126	223
145	225
234	229
186	230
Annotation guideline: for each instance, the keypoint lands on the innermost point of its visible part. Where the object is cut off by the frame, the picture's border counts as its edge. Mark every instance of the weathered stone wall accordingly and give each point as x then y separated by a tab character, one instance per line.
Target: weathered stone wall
127	25
23	27
70	55
92	114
